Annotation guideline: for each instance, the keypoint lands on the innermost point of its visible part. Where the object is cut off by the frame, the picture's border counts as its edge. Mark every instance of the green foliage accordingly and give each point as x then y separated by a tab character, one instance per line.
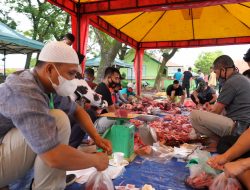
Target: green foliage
48	21
5	18
10	70
33	62
123	75
205	60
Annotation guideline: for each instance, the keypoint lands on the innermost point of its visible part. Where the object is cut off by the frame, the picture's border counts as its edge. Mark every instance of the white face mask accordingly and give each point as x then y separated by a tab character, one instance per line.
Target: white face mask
65	87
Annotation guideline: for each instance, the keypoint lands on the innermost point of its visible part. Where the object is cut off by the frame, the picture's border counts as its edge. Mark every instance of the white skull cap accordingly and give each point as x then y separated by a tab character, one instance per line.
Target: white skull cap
130	85
58	52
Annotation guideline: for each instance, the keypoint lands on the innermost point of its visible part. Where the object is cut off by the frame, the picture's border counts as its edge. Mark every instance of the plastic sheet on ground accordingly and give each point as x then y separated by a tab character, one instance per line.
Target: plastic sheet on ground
169	176
161	176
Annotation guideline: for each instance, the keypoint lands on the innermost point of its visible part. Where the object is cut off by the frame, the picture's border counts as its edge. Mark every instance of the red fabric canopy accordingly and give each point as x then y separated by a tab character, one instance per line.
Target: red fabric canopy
85	13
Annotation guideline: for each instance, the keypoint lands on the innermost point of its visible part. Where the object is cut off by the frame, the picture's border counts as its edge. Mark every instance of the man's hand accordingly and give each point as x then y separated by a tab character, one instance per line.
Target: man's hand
104	144
233	169
208	107
218	161
102	161
197	100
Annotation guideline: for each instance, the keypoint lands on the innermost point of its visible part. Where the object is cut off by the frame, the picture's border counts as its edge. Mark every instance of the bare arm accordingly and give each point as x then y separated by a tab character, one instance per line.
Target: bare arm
217	108
241	146
83	118
233	169
214	98
171	98
67	158
111	108
195	94
183	97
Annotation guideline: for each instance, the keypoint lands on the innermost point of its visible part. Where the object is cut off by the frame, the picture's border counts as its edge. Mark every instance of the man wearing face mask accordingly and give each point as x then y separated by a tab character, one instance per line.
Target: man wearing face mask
32	134
111	79
234	98
204	94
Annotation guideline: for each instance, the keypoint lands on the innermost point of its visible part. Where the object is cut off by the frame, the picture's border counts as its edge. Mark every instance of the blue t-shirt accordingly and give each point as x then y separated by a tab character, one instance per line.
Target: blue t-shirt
125	91
178	76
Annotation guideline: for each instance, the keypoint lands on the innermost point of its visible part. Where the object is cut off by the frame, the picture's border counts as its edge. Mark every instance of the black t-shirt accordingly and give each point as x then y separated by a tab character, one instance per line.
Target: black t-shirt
205	93
187	75
178	91
103	90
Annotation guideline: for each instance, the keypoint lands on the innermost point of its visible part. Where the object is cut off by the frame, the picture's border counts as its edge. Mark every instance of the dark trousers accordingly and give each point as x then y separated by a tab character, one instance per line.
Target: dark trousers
202	100
77	133
186	87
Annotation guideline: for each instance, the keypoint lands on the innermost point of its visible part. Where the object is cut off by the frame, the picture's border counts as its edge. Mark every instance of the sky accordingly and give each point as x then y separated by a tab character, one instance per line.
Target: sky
184	56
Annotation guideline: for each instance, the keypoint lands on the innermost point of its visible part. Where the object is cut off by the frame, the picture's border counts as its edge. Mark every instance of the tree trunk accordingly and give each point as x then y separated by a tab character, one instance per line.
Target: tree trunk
166	58
109	50
123	52
28	59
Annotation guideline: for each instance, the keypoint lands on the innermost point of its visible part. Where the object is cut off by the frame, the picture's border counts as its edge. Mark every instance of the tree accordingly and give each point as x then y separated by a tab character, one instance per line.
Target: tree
205	60
167	54
109	50
48	21
123	51
6	19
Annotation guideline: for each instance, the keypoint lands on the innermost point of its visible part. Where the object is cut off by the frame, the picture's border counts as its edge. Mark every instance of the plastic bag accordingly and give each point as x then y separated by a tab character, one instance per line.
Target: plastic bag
99	181
198	164
160	153
221	182
201	174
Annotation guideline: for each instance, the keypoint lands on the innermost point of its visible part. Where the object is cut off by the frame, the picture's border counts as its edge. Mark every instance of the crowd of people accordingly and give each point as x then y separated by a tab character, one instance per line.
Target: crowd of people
226	118
45	112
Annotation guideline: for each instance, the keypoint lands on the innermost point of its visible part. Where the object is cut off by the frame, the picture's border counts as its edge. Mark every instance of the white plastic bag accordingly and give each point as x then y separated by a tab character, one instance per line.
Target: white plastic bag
99	181
160	153
221	182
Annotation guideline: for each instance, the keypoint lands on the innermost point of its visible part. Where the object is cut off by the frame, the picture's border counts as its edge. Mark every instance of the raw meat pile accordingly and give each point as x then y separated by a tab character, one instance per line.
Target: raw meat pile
173	128
137	123
203	180
122	113
137	142
149	106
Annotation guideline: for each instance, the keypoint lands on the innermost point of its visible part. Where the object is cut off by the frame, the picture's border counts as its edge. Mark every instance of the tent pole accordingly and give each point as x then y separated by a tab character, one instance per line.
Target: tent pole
138	62
78	25
84	20
4	59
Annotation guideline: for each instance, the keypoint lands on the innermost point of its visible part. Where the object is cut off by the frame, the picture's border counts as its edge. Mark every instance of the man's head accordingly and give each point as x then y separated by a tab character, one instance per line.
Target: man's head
179	70
247	73
211	69
223	67
246	57
69	39
130	87
89	74
176	84
199	71
189	68
202	85
112	76
57	67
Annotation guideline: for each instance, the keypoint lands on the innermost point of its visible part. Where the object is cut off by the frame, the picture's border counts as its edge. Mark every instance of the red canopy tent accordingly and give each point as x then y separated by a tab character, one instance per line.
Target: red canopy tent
85	12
